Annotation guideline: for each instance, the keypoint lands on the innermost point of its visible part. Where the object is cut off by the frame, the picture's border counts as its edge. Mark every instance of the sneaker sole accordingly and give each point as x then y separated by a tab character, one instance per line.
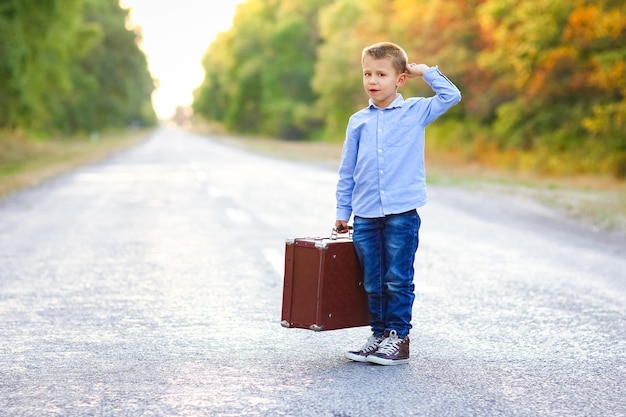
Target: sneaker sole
382	361
356	358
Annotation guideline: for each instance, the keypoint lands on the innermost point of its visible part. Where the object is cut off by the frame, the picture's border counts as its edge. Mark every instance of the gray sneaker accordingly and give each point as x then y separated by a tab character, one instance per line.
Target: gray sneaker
368	348
391	351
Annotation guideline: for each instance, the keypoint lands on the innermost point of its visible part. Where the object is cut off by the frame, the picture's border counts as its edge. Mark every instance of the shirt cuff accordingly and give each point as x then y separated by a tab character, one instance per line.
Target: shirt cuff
431	73
343	214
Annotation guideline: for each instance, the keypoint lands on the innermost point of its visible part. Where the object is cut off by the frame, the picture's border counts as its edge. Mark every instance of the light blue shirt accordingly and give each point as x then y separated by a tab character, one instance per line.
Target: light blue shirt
382	163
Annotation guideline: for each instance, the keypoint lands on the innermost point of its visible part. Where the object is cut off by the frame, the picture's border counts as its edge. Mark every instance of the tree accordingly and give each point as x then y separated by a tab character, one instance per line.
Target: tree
599	33
112	84
37	42
338	80
257	74
546	77
447	33
70	66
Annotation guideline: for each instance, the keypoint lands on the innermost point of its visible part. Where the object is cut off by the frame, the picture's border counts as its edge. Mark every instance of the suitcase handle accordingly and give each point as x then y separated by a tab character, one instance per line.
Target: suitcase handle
334	235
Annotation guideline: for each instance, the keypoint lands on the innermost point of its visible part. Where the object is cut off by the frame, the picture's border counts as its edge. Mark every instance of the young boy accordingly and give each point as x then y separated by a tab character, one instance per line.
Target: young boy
382	182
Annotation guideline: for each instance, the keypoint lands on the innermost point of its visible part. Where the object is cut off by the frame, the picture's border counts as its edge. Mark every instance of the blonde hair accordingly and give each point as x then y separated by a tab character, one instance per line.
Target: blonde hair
389	50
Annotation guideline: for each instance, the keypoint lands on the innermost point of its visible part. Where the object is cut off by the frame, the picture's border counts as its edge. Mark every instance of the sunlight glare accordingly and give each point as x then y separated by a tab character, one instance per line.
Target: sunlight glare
176	34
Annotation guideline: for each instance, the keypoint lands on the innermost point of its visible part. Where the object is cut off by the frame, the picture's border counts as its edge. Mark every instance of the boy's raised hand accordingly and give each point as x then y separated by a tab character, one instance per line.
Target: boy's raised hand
416	70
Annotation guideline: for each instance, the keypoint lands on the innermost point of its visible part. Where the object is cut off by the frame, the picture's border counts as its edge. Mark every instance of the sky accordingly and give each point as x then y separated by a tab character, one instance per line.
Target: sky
176	34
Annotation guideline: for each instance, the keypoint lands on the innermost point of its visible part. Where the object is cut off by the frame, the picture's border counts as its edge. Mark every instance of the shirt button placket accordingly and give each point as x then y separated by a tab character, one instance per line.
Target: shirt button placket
381	159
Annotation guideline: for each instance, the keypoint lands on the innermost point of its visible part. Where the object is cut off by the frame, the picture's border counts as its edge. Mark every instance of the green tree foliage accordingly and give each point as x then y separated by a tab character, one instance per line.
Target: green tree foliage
426	33
70	65
337	79
597	33
563	63
257	75
113	85
37	40
540	76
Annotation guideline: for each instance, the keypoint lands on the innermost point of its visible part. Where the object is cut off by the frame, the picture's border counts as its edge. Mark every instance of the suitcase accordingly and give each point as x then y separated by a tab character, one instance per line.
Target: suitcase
323	285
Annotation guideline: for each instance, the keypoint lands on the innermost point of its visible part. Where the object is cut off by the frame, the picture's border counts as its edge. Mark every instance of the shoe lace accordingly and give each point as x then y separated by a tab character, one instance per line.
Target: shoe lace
389	346
371	344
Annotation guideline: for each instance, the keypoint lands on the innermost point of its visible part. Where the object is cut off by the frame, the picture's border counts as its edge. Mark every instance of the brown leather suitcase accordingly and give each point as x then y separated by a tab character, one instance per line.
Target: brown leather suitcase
323	285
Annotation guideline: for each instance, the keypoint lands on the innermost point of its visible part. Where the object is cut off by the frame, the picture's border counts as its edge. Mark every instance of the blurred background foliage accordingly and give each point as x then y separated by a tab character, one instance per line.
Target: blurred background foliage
543	81
70	66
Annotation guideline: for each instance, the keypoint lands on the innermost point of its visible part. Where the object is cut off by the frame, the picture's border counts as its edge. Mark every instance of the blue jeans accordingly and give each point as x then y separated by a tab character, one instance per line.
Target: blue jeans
386	248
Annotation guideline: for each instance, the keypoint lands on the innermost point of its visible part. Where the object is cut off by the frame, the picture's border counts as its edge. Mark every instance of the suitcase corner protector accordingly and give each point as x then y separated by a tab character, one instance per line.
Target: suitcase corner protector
285	323
316	328
290	241
321	245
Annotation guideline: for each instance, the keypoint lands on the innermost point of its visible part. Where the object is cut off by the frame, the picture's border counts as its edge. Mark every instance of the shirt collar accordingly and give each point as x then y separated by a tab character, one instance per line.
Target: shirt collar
396	103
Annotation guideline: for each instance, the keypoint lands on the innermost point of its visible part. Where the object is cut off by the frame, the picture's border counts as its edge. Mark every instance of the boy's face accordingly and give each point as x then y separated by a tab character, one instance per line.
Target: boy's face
381	80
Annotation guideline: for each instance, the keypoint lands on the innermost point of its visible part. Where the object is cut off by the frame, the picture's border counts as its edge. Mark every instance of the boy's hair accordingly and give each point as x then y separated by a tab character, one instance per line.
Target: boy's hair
388	50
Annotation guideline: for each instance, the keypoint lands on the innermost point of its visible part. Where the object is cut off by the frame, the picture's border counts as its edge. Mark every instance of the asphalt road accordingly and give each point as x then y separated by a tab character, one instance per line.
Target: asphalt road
150	285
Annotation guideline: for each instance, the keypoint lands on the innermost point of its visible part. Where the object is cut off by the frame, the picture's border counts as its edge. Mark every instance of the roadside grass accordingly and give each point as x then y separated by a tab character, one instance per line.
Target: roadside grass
598	201
26	162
